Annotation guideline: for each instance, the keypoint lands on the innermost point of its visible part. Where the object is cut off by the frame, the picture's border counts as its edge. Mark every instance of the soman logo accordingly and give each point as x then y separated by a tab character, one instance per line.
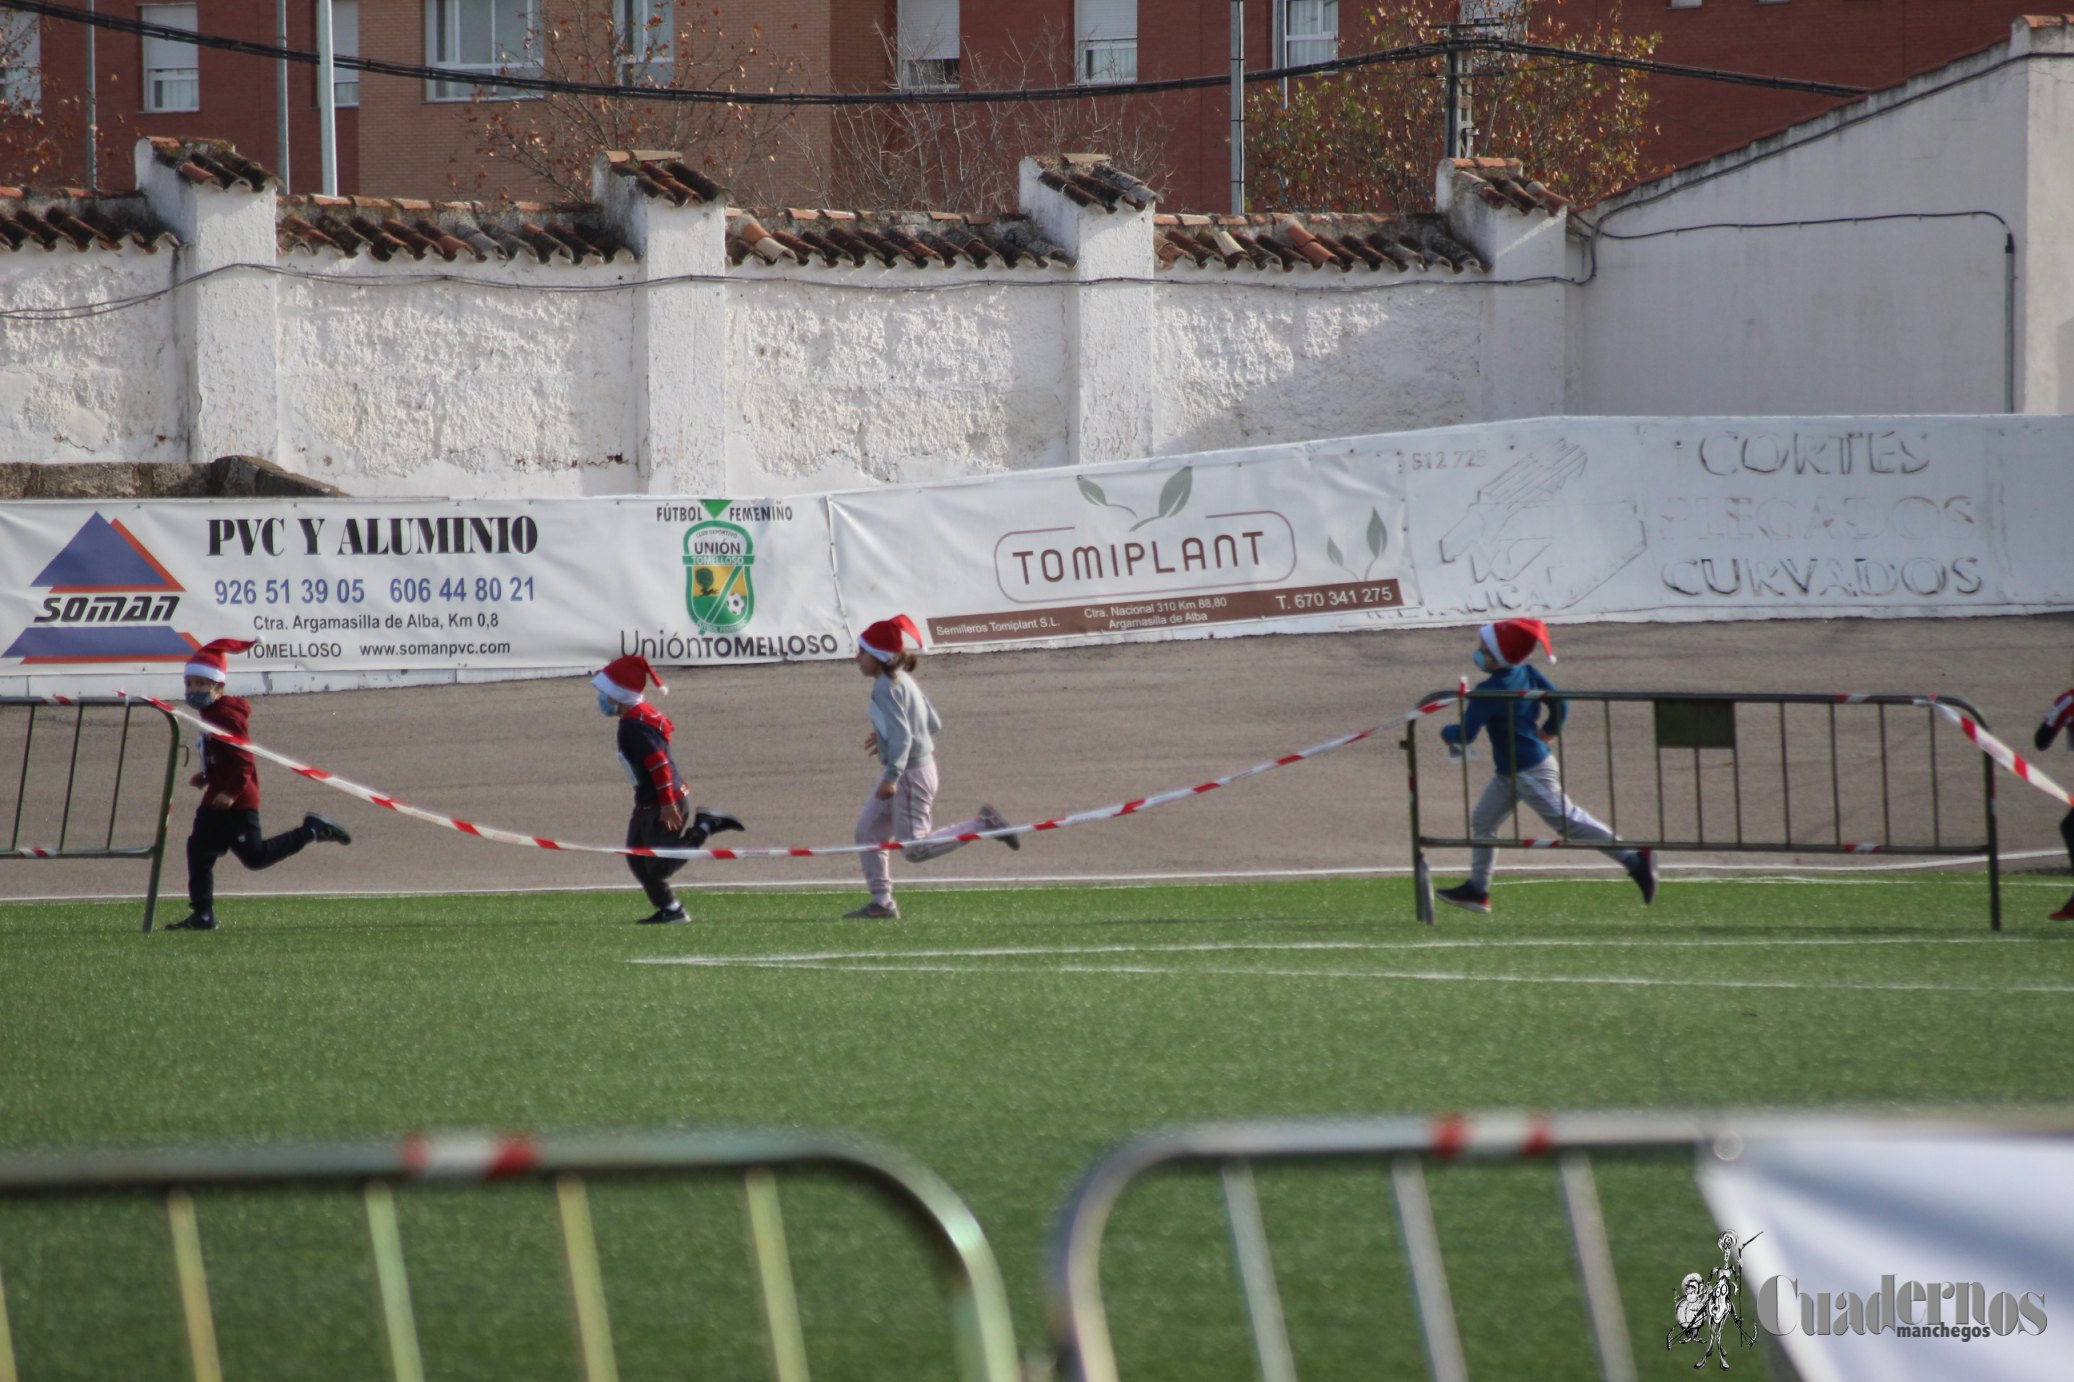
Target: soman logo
108	600
718	592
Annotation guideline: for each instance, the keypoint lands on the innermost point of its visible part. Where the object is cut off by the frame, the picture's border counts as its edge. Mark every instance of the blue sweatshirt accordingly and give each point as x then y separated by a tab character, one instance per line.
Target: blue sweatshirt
1514	726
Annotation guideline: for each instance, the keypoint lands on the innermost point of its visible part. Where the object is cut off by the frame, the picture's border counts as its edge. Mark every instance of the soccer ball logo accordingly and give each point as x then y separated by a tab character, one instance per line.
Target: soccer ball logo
737	605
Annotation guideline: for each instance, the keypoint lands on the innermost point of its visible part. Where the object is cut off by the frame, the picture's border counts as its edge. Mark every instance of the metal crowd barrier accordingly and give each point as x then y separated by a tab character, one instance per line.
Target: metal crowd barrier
978	1305
48	800
1697	723
1081	1339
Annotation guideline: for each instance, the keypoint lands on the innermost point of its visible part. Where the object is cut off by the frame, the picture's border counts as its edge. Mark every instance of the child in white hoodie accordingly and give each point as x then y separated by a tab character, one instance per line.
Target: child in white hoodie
903	736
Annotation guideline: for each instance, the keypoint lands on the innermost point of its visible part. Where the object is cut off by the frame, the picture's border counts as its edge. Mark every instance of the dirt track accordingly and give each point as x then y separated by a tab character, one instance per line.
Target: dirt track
1038	734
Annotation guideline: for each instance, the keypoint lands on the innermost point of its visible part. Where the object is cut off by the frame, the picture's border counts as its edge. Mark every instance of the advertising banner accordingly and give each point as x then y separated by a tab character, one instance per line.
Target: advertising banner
1697	518
1186	543
1929	1257
344	592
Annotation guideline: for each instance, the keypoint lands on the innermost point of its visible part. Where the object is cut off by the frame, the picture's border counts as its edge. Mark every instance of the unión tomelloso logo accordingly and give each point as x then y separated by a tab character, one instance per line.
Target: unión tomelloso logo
109	600
1705	1304
718	591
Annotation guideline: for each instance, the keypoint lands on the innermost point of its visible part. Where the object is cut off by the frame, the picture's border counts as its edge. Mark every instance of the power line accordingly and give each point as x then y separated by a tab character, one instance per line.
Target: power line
1416	52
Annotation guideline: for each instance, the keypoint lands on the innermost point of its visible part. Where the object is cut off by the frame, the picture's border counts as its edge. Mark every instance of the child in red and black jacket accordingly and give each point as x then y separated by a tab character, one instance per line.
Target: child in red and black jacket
227	821
659	792
2060	717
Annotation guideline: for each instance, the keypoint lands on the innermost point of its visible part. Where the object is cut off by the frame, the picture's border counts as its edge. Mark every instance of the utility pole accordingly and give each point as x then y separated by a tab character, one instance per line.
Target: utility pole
1458	41
327	102
1238	107
281	92
93	109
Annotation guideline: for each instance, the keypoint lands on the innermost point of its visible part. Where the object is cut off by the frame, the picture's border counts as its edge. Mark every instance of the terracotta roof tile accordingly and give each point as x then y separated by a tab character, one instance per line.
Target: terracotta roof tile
1091	180
911	240
52	218
210	163
1337	240
1502	182
663	174
385	228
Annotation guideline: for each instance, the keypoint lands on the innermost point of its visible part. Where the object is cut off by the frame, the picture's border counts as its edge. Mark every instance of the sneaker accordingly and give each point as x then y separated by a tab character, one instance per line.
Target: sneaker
325	828
2065	913
668	916
874	911
200	921
1644	874
990	819
716	821
1467	896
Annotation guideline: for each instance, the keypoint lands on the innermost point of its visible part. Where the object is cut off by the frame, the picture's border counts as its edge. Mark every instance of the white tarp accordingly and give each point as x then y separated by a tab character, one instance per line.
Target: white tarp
1646	519
1916	1259
344	592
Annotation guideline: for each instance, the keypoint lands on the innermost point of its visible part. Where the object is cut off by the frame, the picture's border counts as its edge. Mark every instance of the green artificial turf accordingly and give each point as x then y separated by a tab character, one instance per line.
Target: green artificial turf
1042	1025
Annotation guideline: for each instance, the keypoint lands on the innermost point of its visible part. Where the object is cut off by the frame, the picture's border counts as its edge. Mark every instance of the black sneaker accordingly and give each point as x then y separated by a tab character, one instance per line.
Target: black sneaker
200	921
325	828
1467	896
1644	874
990	819
715	822
668	916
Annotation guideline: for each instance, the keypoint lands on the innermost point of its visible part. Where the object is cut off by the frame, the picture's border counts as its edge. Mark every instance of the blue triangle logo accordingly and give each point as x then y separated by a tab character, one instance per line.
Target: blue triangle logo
103	556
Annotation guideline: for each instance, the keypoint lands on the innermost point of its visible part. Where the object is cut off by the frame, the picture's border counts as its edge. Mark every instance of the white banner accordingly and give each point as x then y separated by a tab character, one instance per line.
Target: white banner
1187	543
1652	519
346	592
1928	1258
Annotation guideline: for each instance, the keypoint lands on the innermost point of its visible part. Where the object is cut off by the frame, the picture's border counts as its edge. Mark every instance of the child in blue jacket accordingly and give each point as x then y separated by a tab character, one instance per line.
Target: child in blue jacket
1524	770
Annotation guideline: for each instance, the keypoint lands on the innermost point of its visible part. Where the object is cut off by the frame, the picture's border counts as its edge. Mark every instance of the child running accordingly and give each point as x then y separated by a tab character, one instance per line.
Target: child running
1523	769
2060	717
659	793
227	821
903	735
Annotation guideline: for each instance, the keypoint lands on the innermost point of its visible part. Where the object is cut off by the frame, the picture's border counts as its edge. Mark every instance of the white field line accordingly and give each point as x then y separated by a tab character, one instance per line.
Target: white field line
1439	976
834	958
1607	873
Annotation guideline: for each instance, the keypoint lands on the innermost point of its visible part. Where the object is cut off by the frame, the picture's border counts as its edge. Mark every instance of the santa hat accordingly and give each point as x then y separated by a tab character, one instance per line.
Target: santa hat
1511	641
889	638
625	679
208	660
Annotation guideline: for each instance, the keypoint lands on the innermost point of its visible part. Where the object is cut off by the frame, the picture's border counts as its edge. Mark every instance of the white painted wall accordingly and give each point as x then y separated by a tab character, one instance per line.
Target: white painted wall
1903	315
430	378
97	388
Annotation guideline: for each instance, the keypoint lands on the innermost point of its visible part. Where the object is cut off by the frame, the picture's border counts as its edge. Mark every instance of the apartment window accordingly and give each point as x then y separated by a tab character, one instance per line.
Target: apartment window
1106	41
488	38
172	81
345	43
21	62
1310	31
928	44
646	30
1506	18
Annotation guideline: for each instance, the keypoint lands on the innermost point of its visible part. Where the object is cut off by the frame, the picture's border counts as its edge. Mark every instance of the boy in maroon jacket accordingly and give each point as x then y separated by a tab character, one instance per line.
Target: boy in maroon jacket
227	821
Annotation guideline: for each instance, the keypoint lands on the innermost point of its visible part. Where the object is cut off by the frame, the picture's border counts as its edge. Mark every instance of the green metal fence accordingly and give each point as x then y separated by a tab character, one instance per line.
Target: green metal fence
563	1166
75	752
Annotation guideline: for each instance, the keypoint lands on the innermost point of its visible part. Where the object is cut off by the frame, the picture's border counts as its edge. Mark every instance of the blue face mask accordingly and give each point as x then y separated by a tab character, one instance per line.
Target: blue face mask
1483	661
607	706
199	699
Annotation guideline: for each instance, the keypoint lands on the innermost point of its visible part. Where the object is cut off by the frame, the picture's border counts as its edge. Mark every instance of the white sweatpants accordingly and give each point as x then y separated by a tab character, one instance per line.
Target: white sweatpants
1541	789
904	816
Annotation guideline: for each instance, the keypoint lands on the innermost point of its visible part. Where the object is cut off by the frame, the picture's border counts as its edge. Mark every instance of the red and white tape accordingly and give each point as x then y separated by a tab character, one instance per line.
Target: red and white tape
1994	748
512	837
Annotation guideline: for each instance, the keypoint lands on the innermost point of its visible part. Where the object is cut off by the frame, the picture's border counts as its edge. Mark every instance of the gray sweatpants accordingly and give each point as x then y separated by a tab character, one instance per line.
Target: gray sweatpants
905	816
1540	788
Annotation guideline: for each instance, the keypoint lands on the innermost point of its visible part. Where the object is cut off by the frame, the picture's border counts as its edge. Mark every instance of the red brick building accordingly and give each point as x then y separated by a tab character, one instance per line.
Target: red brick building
403	136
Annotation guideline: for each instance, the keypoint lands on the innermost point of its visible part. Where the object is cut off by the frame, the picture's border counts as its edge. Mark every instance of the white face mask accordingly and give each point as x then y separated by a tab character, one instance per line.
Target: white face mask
607	706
